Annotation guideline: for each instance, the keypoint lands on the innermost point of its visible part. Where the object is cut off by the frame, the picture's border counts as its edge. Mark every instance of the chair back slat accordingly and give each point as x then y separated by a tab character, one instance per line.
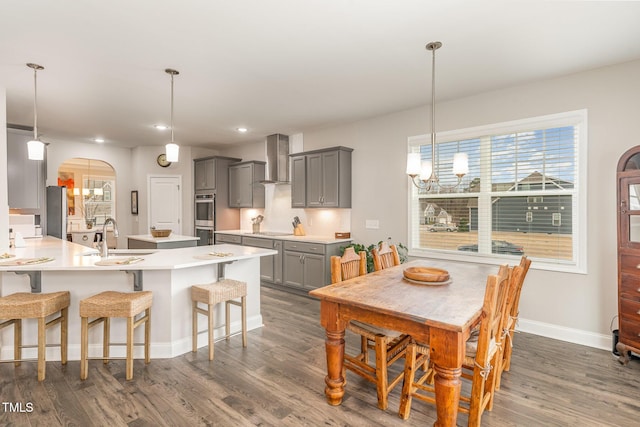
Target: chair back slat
348	266
385	256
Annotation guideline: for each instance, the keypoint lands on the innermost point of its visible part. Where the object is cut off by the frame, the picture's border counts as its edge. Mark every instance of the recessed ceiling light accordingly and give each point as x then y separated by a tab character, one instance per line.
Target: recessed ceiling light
242	130
161	127
98	139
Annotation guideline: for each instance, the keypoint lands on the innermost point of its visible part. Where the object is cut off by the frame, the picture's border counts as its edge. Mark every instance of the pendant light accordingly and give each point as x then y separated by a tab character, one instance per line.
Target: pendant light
422	172
172	149
35	147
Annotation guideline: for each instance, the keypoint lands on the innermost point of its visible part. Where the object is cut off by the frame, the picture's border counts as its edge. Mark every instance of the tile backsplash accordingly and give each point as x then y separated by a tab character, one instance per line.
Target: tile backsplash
278	215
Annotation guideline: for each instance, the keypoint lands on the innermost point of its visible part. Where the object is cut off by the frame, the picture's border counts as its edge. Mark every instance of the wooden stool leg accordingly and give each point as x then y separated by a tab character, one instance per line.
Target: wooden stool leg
147	336
244	321
42	347
84	347
17	341
129	365
227	321
106	338
210	331
194	327
64	332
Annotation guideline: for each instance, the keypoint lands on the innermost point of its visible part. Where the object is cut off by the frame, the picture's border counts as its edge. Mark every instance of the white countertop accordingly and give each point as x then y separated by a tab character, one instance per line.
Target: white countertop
309	238
172	238
70	256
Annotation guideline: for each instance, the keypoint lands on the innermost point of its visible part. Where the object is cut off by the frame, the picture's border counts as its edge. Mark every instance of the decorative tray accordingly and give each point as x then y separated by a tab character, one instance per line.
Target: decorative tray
25	261
213	255
426	274
423	283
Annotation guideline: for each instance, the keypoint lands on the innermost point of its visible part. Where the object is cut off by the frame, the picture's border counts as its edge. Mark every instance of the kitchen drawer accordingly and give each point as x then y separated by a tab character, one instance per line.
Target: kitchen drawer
228	238
257	242
312	248
629	264
630	310
629	332
630	286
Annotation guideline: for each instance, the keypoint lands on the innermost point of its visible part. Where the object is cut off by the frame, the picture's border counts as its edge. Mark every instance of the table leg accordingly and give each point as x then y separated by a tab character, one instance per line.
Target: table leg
334	347
447	353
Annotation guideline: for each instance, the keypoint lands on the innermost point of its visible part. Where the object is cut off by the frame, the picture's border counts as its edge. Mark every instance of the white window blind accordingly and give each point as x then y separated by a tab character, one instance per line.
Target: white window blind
523	194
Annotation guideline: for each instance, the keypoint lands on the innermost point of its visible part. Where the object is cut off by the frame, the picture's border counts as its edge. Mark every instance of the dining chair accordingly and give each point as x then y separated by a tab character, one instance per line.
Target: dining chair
480	356
519	273
385	256
389	346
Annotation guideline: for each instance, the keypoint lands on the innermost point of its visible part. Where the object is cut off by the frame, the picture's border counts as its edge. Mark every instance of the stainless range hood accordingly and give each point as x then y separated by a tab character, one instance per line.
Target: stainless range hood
277	170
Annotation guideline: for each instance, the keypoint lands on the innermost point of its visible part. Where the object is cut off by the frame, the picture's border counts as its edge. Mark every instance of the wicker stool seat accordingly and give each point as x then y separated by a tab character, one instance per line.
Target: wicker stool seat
22	305
103	307
225	290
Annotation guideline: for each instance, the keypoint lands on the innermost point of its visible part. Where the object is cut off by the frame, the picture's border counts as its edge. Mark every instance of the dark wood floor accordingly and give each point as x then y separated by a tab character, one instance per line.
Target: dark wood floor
278	381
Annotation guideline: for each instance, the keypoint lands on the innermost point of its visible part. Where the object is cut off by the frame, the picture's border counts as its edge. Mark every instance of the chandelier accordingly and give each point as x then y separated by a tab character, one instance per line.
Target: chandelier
422	172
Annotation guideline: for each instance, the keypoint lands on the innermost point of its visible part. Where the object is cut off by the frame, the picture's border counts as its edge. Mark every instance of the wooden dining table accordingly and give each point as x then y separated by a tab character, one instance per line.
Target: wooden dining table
441	315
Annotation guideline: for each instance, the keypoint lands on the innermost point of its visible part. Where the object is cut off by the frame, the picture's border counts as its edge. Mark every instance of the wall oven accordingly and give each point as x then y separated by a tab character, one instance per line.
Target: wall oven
205	210
205	234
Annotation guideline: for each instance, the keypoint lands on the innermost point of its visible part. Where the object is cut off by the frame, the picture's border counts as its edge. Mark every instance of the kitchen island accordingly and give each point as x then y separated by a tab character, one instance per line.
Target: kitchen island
168	273
147	241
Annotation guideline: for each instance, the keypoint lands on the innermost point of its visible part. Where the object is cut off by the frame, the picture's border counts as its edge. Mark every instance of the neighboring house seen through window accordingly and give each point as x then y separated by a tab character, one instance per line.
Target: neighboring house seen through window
524	194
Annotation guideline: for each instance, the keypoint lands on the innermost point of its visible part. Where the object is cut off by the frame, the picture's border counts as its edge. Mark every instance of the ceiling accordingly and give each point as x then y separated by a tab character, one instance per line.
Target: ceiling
282	66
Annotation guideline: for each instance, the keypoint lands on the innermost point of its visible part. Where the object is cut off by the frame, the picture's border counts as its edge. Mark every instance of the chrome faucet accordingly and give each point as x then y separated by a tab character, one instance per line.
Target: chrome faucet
105	248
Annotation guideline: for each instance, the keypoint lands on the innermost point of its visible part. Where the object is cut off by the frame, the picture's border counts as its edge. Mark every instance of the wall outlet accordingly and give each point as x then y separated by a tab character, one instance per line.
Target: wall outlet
372	224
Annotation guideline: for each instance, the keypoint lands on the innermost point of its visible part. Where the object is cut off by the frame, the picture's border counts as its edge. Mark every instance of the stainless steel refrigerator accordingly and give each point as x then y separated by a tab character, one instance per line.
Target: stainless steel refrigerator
57	212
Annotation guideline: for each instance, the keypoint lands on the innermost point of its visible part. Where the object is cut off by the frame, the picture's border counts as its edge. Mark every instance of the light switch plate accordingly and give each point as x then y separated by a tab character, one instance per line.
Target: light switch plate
372	224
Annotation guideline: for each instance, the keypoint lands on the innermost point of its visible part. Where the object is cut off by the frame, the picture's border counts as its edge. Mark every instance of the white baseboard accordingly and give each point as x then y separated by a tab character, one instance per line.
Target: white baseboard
576	336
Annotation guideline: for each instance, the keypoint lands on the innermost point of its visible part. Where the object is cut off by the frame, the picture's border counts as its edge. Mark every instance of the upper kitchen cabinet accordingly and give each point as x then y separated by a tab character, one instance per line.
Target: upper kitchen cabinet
25	178
298	181
245	189
211	173
204	174
326	176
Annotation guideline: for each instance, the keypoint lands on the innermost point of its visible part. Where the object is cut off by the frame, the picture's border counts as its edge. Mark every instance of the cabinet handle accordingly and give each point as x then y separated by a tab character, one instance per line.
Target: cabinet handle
314	249
300	259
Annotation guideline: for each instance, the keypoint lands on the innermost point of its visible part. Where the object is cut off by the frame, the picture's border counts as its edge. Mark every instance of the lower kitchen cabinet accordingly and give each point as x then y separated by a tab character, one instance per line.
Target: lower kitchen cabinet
308	265
270	266
298	266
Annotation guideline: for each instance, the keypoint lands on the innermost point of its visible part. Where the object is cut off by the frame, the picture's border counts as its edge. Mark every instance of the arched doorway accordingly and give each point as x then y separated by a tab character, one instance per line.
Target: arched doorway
91	192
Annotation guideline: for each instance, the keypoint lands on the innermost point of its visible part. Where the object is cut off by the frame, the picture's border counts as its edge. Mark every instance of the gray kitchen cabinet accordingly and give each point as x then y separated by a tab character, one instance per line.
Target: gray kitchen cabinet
308	265
204	174
326	178
298	182
228	238
25	178
245	189
270	266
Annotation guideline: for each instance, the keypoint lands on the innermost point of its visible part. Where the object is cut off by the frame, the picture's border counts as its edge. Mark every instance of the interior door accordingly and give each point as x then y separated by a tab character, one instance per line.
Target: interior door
165	202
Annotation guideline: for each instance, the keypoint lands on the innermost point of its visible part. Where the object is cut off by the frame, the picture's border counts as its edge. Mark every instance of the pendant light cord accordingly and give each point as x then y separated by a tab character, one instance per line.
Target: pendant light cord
35	103
171	108
35	68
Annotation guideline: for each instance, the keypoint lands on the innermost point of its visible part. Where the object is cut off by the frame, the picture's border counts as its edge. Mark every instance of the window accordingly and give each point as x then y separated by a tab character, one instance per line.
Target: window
524	178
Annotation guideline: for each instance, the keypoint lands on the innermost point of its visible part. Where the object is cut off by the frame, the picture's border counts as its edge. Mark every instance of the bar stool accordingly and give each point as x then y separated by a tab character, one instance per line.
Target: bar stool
224	290
106	305
22	305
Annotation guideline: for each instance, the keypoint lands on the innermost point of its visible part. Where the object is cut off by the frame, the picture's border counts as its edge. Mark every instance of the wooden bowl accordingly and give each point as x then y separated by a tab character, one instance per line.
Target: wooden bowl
426	274
160	233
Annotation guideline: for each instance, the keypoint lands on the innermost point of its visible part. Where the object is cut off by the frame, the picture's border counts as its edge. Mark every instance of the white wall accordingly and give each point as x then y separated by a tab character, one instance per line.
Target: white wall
573	307
4	191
